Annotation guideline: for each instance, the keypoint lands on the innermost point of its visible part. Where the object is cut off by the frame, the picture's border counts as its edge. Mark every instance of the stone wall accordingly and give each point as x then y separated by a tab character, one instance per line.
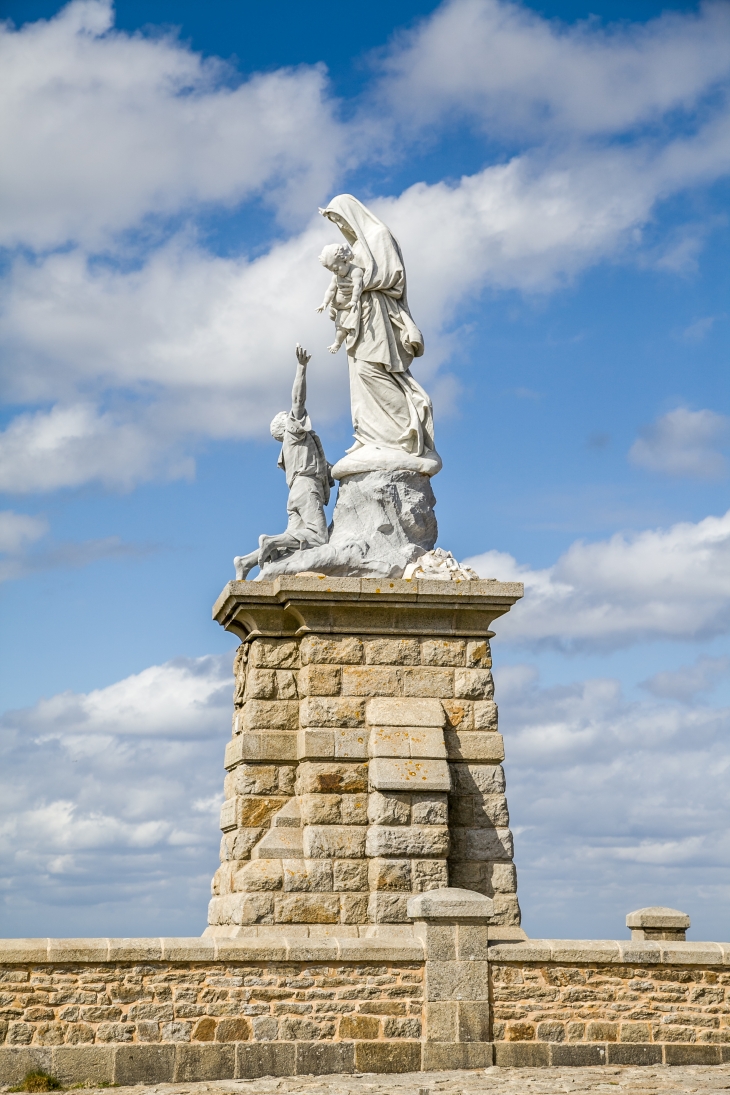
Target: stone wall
361	770
622	1003
427	996
227	1018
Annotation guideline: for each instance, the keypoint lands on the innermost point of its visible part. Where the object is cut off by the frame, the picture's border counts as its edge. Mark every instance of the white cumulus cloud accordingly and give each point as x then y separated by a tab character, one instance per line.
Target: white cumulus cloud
512	71
126	352
616	805
101	129
109	802
657	584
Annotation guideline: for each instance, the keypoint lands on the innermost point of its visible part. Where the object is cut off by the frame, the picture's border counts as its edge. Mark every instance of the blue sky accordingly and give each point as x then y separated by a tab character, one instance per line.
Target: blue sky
558	178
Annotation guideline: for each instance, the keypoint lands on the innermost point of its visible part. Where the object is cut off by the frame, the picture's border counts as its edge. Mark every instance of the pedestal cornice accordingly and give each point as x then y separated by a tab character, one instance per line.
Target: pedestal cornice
291	606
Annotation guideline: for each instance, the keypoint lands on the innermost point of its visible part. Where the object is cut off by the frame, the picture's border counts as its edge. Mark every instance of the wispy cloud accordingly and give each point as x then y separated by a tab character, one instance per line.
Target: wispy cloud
684	443
18	558
689	681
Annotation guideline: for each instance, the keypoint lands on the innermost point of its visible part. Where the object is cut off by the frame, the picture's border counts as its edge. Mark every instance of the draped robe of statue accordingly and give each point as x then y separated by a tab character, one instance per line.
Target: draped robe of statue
389	408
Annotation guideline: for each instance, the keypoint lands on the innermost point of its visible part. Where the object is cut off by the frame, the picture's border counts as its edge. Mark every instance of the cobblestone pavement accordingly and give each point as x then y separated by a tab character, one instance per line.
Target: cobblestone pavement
648	1080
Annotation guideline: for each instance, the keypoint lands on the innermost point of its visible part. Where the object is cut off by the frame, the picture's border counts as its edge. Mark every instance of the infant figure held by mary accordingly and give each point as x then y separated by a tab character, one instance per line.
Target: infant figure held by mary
342	299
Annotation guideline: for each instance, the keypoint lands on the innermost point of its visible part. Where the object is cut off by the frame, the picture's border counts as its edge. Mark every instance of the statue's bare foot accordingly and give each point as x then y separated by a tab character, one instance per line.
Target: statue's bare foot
244	565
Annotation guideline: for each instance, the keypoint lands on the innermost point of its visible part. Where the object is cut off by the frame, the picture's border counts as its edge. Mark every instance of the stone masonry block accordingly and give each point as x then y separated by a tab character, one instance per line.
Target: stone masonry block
341	778
490	811
334	841
319	680
506	910
393	652
350	744
325	1058
308	875
287	773
251	779
252	810
416	742
478	654
206	1062
261	684
94	1063
349	874
469	875
502	877
259	874
15	1061
307	908
459	714
446	652
265	1059
315	744
272	715
359	1026
407	841
474	1021
389	874
429	809
354	908
399	1056
477	779
439	939
473	684
425	680
472	940
261	746
286	684
474	745
344	651
242	908
227	820
481	843
485	715
429	874
457	980
405	712
144	1065
354	809
238	843
441	1021
370	680
274	654
320	809
387	908
409	775
391	808
327	711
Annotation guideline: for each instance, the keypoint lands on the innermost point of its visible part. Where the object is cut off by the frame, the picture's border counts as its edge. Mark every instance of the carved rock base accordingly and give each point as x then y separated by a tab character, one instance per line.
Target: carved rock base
382	521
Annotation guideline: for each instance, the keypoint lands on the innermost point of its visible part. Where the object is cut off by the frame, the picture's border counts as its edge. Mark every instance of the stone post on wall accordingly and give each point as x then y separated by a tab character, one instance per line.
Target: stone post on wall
453	926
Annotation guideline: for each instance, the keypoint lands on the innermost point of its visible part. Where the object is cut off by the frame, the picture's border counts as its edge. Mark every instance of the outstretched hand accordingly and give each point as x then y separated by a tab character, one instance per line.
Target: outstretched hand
302	356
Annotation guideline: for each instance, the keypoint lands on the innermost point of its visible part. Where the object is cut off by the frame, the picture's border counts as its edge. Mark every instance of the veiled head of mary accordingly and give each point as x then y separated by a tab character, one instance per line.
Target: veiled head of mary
341	223
375	248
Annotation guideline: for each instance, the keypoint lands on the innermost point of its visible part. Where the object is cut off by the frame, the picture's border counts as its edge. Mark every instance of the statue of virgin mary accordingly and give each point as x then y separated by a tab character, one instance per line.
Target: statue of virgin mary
390	410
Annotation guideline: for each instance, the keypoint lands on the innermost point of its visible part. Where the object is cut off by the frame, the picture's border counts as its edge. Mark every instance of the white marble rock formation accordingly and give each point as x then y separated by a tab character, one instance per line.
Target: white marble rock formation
383	520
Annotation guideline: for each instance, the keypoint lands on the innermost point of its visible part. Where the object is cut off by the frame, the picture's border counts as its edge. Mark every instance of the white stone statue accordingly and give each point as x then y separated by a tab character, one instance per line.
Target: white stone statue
384	519
308	476
392	415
